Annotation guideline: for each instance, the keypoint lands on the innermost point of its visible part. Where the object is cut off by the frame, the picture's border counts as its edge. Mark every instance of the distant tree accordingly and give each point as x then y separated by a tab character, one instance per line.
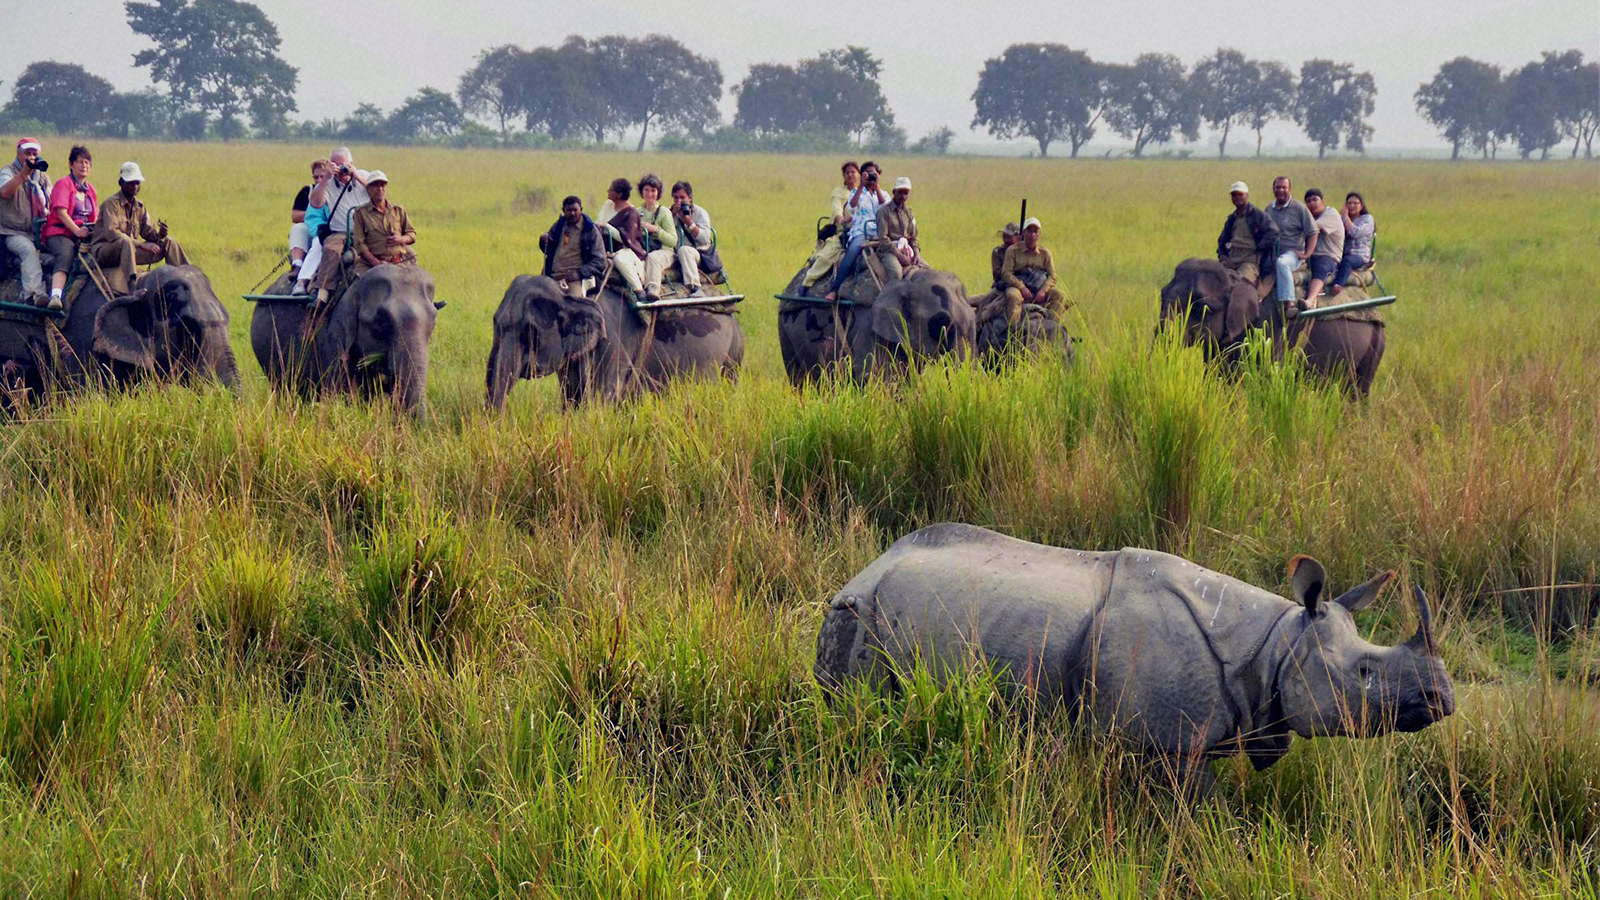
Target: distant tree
487	89
191	125
935	142
1333	103
429	114
62	95
269	120
1151	100
1577	92
1462	101
367	123
886	137
215	56
835	92
664	82
561	89
1531	110
771	100
1045	91
1226	83
144	114
1272	99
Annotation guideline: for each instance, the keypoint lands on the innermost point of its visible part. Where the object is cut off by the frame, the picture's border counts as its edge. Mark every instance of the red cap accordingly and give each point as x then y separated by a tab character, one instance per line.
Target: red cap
25	142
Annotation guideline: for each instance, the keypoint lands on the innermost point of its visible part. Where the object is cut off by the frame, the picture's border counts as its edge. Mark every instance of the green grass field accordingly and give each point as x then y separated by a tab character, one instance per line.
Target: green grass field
254	647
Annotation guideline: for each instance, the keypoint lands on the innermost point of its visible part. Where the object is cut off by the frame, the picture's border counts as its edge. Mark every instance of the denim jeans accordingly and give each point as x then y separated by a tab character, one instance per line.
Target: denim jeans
28	261
1288	263
852	257
1347	265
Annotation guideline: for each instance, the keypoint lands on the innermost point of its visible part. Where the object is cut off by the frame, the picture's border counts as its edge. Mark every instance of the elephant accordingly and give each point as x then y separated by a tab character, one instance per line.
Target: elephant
1037	329
601	348
372	339
911	319
1218	308
171	326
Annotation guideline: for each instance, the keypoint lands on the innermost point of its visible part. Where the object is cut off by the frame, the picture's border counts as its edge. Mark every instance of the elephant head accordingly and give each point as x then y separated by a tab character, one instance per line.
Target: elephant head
1215	306
924	315
539	331
383	328
172	324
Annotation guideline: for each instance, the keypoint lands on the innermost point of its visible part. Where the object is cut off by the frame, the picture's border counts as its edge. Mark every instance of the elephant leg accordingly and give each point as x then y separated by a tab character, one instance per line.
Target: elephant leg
1367	370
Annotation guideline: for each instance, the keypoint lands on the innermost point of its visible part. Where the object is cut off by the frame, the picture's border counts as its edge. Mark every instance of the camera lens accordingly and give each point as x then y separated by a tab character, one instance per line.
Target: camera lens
41	165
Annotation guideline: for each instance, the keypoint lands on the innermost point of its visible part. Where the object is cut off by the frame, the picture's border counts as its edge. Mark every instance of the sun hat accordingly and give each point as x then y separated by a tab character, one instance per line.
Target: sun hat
1239	187
1032	223
1012	229
902	183
130	172
376	176
28	143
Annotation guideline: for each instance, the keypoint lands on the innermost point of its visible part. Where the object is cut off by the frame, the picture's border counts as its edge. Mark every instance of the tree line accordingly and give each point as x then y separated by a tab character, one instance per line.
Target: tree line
216	71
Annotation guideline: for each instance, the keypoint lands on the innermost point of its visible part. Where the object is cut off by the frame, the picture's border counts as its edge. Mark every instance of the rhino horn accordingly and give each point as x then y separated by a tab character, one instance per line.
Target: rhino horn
1423	639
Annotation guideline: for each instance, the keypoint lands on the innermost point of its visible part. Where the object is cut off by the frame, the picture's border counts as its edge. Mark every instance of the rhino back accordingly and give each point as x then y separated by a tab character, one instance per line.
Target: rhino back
949	594
1181	660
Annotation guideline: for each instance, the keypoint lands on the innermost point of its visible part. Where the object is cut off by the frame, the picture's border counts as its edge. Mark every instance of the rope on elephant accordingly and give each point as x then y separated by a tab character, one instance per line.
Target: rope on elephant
95	275
282	261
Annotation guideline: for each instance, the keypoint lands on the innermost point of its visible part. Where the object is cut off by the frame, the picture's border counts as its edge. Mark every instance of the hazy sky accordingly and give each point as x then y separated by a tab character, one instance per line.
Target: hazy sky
351	51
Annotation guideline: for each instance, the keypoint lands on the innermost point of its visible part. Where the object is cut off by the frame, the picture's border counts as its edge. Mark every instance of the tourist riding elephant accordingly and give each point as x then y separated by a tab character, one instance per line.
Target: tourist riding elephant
923	315
171	326
372	339
1218	309
601	348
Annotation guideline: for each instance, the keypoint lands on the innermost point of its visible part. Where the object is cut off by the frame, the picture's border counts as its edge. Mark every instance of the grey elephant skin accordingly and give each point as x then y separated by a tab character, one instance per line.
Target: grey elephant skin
171	326
909	321
597	347
1035	331
373	340
1186	662
1216	310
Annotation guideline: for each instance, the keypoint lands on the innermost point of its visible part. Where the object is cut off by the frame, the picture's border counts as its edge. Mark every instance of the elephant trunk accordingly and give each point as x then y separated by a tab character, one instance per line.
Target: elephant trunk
507	359
410	370
216	357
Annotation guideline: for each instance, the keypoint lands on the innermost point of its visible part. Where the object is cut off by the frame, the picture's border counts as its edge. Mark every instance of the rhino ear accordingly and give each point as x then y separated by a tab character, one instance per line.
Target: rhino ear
1361	596
1307	579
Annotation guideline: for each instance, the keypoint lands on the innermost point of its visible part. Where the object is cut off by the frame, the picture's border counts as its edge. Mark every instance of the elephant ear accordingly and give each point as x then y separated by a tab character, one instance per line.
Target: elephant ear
581	326
122	330
1212	283
888	318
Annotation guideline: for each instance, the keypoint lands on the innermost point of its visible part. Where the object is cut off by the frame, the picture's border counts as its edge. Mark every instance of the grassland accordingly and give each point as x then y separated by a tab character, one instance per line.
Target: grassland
256	647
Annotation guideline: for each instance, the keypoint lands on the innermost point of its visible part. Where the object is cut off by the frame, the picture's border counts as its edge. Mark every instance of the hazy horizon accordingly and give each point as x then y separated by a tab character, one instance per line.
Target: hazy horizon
931	53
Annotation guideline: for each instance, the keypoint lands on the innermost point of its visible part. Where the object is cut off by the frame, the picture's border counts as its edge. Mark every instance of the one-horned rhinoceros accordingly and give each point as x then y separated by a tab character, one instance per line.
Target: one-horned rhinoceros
1186	661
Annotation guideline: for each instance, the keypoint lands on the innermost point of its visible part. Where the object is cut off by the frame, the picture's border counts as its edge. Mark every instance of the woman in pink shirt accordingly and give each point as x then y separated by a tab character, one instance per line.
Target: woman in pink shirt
73	208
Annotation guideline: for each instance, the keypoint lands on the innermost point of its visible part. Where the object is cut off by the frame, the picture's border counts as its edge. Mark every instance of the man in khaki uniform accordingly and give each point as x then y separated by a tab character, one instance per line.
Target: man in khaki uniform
381	231
1029	274
897	230
124	238
1248	236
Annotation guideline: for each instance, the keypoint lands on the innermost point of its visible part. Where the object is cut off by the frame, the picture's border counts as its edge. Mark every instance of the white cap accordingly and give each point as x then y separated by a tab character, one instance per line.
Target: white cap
130	172
902	183
376	175
1239	187
1032	223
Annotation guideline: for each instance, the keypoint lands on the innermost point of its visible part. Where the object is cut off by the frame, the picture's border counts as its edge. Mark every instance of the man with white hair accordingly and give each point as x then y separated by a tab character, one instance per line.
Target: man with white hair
123	236
1247	237
24	199
899	249
341	195
1029	274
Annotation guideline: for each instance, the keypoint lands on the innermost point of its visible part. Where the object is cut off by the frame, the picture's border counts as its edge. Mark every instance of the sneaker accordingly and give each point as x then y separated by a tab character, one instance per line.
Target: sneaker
299	289
55	302
652	297
696	292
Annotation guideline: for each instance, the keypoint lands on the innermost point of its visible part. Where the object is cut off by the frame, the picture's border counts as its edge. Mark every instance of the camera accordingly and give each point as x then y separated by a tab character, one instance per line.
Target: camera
686	207
872	177
39	165
344	170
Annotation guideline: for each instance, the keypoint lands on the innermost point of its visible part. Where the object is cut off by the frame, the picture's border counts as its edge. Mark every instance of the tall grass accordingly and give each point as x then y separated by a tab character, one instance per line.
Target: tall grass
258	646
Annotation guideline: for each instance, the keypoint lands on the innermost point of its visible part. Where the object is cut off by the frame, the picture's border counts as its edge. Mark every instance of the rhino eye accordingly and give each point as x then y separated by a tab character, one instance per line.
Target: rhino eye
1364	671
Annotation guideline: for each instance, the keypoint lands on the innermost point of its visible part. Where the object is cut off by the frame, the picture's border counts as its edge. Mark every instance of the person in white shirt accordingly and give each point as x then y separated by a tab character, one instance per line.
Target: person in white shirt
340	194
694	227
863	207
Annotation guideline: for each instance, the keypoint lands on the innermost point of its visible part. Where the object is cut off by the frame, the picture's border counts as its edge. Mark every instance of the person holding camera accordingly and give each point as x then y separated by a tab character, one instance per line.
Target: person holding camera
694	237
341	193
24	200
124	237
863	206
832	246
381	231
73	209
